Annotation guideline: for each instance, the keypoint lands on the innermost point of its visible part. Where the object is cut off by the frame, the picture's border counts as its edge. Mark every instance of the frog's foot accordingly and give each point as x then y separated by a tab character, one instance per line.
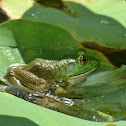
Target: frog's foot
61	92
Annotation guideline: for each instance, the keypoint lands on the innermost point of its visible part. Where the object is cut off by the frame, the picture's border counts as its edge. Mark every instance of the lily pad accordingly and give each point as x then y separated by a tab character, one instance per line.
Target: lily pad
96	24
18	111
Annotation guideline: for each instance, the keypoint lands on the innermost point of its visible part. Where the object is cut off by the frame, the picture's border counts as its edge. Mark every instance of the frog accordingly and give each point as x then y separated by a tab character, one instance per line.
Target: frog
54	76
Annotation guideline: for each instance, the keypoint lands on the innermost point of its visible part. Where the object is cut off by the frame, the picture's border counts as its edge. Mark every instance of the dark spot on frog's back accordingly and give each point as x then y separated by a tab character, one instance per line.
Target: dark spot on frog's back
34	69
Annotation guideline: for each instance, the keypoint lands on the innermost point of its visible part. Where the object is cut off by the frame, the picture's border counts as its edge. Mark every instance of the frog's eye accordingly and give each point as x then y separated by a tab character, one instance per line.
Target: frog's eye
82	60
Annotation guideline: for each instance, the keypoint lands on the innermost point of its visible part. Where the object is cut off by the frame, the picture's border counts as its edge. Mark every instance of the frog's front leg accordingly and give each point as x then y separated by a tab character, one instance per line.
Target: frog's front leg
23	79
61	92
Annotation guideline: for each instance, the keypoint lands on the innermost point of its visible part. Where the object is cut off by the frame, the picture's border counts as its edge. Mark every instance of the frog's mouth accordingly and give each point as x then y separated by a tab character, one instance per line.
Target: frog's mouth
78	78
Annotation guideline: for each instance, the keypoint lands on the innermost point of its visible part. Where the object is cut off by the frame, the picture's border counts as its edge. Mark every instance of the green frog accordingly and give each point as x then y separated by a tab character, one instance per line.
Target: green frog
55	76
46	83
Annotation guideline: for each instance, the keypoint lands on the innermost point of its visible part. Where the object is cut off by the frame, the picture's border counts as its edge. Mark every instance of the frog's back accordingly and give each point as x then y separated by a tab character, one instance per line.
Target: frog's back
46	69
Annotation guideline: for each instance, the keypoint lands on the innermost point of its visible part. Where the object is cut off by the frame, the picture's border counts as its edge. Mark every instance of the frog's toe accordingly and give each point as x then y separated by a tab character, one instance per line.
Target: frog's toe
61	92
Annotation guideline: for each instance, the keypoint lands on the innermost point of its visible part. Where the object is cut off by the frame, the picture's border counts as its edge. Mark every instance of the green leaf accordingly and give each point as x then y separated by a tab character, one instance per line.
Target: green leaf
97	26
15	111
26	33
104	26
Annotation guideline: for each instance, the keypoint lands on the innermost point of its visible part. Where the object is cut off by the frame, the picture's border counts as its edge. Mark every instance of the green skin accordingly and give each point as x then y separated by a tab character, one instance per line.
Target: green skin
54	75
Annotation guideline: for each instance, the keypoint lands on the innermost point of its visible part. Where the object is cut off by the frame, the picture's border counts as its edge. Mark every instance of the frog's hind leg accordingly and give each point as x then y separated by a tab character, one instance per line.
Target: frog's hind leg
26	80
17	84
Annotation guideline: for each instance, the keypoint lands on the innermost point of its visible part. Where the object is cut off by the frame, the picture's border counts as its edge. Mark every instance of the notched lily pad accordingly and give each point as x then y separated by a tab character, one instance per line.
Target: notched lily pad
36	39
103	30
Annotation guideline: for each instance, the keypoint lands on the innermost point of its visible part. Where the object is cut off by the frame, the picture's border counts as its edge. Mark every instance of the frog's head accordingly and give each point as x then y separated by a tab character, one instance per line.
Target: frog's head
76	69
